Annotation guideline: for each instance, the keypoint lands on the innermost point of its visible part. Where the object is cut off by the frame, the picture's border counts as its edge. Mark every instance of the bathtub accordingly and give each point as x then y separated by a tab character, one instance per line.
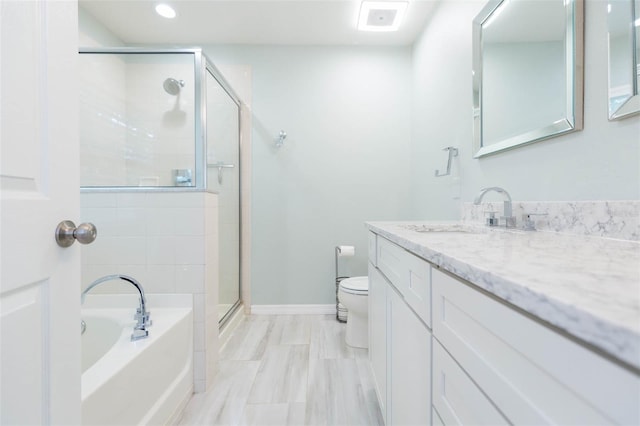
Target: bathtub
148	381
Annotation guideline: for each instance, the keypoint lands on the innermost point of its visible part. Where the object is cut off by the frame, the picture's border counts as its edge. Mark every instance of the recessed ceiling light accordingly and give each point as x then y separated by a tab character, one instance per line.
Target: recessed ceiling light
381	15
165	11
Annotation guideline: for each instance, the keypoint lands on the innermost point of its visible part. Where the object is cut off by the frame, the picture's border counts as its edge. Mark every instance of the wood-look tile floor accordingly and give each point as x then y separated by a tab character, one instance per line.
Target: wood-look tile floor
288	370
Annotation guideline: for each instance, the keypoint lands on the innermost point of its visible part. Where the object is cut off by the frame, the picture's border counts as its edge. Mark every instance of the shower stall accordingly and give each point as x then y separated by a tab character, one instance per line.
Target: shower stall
165	121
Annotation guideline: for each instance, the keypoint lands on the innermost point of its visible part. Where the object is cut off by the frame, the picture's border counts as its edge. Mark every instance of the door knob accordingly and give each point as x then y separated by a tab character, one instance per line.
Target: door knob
67	233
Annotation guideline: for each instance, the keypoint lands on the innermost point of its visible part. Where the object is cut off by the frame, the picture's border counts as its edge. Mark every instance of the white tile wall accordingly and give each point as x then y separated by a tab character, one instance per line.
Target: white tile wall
169	242
123	100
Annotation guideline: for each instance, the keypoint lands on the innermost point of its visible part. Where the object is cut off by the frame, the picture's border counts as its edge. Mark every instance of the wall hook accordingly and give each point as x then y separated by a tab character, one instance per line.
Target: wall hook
280	139
453	152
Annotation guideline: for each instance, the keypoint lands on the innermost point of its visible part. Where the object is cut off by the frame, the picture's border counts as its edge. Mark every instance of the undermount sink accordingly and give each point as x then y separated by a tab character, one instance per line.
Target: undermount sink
445	227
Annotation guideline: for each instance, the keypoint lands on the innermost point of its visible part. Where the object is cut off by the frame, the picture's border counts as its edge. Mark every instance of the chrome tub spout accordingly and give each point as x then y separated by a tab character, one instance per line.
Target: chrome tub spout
142	316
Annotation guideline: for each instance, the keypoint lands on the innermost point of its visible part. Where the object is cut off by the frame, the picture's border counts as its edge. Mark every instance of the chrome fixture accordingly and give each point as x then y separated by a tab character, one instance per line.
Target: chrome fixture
280	139
221	166
83	327
142	315
509	219
173	86
528	222
182	177
67	233
453	152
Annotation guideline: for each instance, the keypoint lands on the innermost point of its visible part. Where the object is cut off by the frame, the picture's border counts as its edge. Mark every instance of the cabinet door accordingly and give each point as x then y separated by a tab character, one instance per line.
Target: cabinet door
456	399
378	334
410	365
533	374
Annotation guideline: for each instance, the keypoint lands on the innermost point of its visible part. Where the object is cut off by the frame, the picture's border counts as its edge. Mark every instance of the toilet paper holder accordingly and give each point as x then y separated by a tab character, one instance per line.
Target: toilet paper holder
342	251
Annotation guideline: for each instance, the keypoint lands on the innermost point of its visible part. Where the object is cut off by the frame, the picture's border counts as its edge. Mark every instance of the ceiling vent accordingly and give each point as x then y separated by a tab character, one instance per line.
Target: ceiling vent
381	15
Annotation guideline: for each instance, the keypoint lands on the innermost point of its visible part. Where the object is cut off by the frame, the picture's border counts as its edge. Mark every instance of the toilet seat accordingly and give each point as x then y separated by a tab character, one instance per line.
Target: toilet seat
355	285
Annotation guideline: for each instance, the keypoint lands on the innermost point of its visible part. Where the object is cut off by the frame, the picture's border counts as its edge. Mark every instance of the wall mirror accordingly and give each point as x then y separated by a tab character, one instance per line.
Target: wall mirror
623	20
527	72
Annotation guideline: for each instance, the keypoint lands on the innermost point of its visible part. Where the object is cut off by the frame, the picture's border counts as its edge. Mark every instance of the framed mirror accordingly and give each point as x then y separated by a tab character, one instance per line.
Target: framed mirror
623	22
527	72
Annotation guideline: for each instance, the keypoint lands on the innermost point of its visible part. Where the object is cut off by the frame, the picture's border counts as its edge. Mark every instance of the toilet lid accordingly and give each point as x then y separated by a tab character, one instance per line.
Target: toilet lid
355	285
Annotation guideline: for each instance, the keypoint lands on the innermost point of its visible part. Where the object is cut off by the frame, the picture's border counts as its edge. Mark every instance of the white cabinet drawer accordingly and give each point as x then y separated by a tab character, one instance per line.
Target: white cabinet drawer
372	248
390	260
456	399
409	274
533	374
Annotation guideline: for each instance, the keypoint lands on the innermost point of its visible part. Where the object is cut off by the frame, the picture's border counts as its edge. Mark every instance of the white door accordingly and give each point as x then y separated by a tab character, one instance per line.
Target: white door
39	187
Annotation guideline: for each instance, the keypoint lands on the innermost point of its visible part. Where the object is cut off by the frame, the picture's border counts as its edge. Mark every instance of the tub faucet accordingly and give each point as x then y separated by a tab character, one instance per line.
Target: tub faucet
142	315
509	218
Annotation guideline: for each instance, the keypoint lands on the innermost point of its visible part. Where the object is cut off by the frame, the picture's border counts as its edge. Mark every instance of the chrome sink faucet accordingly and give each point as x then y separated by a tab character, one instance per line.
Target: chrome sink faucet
142	315
507	215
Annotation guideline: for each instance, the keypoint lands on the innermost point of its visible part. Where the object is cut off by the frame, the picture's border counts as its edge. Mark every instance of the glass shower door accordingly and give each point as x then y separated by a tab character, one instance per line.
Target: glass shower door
137	119
223	177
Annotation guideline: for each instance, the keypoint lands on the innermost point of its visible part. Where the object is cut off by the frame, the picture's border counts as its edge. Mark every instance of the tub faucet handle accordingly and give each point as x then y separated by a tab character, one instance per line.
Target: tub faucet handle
140	316
139	333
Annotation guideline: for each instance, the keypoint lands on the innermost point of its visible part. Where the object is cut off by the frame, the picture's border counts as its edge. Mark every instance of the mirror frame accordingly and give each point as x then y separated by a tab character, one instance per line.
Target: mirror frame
631	105
574	54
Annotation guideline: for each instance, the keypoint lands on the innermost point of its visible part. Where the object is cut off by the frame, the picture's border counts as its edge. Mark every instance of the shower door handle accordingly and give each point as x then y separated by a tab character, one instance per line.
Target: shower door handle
220	165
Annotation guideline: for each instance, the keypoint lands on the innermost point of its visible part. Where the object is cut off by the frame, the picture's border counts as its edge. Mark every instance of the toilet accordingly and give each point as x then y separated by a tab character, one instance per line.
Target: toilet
353	294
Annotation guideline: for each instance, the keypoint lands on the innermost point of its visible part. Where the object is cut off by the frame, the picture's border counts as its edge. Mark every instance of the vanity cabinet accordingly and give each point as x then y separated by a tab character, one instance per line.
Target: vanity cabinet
496	356
445	352
399	338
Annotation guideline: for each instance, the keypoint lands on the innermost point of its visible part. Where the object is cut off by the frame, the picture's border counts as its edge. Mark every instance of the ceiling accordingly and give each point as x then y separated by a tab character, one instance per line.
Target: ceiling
280	22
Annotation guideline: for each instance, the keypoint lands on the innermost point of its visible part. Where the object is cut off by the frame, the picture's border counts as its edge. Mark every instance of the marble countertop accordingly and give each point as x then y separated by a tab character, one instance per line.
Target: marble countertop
587	286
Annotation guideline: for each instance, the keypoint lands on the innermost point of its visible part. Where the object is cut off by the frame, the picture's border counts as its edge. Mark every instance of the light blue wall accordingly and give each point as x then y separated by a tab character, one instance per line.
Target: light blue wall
601	162
366	130
346	111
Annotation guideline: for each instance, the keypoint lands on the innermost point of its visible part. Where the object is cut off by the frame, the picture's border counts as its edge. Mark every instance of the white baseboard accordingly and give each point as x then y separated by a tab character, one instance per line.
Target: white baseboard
230	326
293	309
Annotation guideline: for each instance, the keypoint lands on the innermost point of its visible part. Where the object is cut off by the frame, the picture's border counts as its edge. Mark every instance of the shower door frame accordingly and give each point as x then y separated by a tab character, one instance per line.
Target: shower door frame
208	66
202	65
200	164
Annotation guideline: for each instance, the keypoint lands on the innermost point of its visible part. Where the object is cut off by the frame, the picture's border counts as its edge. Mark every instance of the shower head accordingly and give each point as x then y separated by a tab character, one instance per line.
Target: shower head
173	86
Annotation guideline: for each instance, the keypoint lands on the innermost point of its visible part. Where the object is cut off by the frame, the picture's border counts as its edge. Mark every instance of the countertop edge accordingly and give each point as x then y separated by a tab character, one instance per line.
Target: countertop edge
617	342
